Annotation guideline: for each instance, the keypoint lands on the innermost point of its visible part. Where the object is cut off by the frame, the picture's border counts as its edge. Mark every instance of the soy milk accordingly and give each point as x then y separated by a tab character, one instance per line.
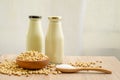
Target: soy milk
35	39
54	43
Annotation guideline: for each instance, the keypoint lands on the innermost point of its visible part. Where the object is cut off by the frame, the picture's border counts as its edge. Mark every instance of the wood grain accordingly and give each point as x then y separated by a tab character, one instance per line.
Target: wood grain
109	62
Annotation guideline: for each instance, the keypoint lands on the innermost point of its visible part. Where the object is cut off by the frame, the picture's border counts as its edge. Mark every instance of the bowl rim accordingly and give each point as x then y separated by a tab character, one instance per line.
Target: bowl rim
47	59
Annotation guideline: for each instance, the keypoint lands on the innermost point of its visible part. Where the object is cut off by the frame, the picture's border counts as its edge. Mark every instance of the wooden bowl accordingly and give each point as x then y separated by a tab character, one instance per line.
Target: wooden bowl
32	64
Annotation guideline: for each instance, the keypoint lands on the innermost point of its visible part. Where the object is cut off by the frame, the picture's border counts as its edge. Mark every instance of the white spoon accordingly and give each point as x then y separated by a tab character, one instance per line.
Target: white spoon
70	69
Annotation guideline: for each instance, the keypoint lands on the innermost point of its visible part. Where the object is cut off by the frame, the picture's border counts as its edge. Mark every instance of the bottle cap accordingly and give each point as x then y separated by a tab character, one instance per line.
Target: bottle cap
55	17
35	16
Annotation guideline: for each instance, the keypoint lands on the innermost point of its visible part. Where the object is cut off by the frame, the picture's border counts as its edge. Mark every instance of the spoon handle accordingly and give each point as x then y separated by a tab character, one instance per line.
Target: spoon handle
97	69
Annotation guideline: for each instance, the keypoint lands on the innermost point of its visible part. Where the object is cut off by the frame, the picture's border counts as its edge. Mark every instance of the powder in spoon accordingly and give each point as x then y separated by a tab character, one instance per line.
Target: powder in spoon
65	66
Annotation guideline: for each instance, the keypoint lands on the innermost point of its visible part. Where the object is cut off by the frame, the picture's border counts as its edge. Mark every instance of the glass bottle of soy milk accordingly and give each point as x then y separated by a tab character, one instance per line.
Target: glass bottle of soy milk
54	43
35	39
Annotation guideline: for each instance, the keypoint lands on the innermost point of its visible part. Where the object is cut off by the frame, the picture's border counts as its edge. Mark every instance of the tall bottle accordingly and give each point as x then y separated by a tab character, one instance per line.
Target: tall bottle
54	43
35	38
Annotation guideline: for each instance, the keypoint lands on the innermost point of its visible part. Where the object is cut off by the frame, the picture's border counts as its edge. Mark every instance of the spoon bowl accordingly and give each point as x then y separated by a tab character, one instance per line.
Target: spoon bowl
68	70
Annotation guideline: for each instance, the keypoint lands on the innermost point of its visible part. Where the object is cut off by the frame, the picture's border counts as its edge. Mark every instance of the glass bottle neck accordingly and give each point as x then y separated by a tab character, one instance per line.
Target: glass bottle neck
55	23
35	20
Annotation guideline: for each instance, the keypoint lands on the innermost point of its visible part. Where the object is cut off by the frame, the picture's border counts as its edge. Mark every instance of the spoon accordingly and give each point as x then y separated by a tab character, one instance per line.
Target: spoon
71	69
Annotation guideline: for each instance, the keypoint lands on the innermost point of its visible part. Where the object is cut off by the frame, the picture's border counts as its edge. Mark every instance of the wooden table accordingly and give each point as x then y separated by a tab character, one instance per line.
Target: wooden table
109	62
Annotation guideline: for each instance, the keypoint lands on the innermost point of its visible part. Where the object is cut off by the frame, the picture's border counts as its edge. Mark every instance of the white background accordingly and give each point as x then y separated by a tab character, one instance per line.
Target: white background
91	27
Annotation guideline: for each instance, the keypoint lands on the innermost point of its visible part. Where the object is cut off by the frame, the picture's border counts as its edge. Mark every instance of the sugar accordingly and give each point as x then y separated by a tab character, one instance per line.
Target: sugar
65	66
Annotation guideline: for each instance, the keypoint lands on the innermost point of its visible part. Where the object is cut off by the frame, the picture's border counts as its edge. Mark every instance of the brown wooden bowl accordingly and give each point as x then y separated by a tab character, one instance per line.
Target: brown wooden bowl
32	64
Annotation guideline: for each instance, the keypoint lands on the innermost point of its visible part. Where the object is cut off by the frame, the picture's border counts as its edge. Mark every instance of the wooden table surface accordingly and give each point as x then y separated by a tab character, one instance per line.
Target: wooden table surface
109	62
